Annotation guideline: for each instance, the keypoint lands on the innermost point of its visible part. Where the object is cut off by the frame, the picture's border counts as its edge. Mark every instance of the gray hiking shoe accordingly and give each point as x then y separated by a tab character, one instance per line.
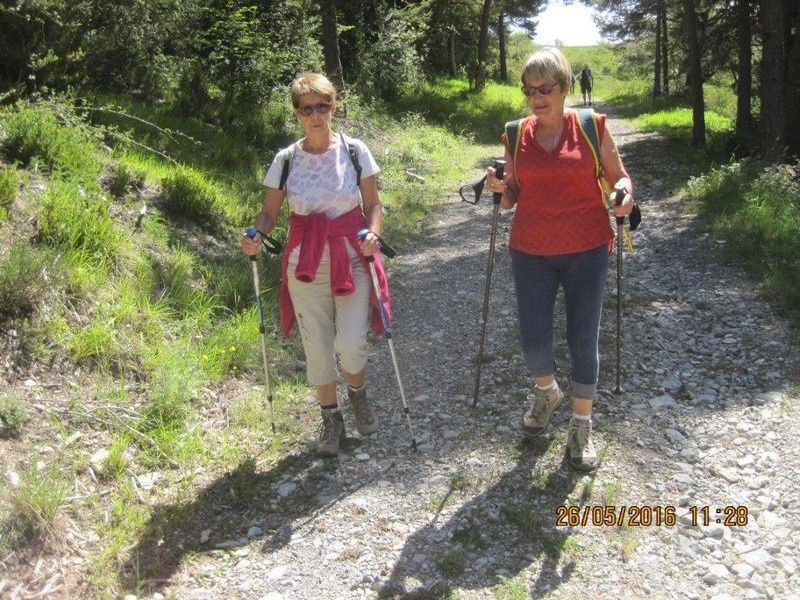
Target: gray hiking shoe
363	409
580	448
331	432
543	403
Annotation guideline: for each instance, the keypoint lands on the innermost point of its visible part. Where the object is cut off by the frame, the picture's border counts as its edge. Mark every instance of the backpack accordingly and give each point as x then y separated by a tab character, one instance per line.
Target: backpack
588	126
351	150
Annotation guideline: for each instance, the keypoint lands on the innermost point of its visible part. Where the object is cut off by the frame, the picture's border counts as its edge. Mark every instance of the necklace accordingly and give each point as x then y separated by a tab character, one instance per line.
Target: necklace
550	142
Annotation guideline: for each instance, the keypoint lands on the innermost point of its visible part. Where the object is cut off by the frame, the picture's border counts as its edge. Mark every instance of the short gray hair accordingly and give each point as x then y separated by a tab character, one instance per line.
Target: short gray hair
548	62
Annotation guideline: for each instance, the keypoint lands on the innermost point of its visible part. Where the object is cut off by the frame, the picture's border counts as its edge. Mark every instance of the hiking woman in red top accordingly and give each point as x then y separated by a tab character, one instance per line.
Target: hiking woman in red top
560	236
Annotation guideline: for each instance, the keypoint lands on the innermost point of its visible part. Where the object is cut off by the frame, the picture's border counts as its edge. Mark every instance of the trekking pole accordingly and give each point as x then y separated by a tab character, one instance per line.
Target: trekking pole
619	195
275	247
386	249
499	166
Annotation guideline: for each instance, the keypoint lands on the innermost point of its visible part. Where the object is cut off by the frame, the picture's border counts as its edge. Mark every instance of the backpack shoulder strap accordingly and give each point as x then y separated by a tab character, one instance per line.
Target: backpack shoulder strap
351	150
512	138
587	122
287	165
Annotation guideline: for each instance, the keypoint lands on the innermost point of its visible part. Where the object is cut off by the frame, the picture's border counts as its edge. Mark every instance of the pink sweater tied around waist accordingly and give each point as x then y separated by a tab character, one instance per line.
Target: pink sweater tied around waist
311	232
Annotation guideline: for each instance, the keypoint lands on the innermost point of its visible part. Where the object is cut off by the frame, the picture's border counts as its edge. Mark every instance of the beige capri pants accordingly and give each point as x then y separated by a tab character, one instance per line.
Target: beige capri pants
329	324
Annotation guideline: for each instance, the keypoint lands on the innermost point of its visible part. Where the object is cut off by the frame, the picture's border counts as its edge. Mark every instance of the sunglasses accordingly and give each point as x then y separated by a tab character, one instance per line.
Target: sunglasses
321	109
541	90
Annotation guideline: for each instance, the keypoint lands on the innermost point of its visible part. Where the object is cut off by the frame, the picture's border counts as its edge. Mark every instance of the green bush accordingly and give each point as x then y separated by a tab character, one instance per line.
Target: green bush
79	219
13	414
121	178
9	186
25	275
757	210
35	504
187	193
34	134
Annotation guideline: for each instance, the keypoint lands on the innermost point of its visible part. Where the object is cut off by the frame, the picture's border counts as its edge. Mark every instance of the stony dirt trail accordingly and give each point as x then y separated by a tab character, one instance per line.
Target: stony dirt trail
707	418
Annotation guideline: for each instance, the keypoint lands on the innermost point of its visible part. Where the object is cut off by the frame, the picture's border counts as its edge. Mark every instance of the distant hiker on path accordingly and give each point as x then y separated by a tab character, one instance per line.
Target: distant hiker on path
331	186
560	236
587	82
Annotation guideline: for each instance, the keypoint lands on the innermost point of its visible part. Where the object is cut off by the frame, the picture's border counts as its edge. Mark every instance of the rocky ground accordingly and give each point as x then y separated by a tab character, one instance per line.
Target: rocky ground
705	426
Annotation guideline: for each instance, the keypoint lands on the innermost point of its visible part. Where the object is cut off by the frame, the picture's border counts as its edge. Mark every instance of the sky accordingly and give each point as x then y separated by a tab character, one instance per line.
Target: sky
572	25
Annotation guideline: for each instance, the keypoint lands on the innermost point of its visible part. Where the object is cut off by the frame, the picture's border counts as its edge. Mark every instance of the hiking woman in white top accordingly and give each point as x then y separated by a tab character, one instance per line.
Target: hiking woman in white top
332	191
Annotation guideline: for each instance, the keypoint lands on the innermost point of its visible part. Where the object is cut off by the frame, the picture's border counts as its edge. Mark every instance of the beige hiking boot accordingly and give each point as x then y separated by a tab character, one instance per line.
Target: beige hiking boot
363	409
582	455
331	432
543	403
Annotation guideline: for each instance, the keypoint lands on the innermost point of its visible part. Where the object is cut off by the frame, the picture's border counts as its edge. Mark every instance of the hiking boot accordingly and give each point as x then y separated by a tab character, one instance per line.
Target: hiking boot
331	432
363	409
543	403
582	455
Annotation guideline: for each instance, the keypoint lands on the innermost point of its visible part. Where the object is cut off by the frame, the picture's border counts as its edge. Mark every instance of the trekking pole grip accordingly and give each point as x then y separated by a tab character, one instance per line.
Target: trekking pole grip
272	245
619	196
499	169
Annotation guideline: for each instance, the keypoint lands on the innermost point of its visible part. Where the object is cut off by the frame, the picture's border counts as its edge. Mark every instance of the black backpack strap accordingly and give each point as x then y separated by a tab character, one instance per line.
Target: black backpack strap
512	138
287	165
351	150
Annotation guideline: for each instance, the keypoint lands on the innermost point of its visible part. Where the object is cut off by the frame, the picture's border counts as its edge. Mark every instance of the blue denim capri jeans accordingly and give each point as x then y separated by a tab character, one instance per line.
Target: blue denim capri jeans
583	277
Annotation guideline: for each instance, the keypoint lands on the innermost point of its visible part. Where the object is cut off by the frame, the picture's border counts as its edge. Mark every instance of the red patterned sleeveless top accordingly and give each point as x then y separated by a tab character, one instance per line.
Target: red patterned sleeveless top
560	205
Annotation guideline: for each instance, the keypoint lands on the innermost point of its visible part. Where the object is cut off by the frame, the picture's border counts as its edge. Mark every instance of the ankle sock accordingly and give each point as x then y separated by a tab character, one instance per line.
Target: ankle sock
551	386
584	418
334	406
355	390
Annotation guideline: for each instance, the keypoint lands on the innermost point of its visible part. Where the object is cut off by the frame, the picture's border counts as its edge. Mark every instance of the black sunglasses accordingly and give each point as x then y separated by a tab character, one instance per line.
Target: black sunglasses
542	90
322	108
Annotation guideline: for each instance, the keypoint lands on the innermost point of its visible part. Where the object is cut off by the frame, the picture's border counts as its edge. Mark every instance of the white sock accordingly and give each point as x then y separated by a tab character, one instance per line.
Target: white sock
551	386
577	417
356	389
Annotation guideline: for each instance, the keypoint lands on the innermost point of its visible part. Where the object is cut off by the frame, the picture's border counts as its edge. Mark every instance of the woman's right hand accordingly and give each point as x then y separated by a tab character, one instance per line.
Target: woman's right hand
249	244
498	186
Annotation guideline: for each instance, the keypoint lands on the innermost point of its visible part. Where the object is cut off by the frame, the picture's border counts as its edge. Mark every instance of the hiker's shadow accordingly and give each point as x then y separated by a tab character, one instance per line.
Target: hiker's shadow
246	506
495	536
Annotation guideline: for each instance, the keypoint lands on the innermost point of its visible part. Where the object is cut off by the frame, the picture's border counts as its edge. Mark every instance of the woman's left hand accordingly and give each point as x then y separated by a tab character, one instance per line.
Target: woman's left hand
624	209
370	244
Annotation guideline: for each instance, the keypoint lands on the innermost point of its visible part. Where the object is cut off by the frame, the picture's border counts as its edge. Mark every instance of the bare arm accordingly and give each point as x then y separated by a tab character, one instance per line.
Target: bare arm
373	213
615	172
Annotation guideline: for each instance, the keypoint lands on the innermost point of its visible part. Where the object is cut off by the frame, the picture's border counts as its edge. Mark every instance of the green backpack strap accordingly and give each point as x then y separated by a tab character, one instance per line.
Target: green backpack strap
512	137
588	125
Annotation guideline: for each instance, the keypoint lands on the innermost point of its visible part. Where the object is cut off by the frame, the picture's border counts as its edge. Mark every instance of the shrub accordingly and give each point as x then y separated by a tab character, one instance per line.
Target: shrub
13	414
35	504
79	219
9	186
121	178
187	193
35	134
24	280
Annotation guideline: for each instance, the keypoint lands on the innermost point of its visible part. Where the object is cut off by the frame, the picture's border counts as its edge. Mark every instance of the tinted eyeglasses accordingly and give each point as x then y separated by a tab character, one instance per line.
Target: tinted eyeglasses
322	108
541	90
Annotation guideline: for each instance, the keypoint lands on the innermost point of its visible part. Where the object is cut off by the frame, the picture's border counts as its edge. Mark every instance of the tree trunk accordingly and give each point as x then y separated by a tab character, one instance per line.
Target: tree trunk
792	95
695	76
744	70
773	72
330	44
501	34
657	65
451	47
664	48
483	46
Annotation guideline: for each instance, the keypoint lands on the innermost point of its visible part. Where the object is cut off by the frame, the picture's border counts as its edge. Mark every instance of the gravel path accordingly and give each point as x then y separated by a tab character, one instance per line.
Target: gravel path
707	418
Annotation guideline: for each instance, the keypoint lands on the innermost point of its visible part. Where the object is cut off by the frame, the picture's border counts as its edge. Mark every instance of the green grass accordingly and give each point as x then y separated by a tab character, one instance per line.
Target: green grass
511	589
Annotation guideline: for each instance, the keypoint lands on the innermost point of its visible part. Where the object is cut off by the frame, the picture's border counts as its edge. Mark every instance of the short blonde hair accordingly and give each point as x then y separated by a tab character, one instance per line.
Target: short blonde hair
312	83
548	62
